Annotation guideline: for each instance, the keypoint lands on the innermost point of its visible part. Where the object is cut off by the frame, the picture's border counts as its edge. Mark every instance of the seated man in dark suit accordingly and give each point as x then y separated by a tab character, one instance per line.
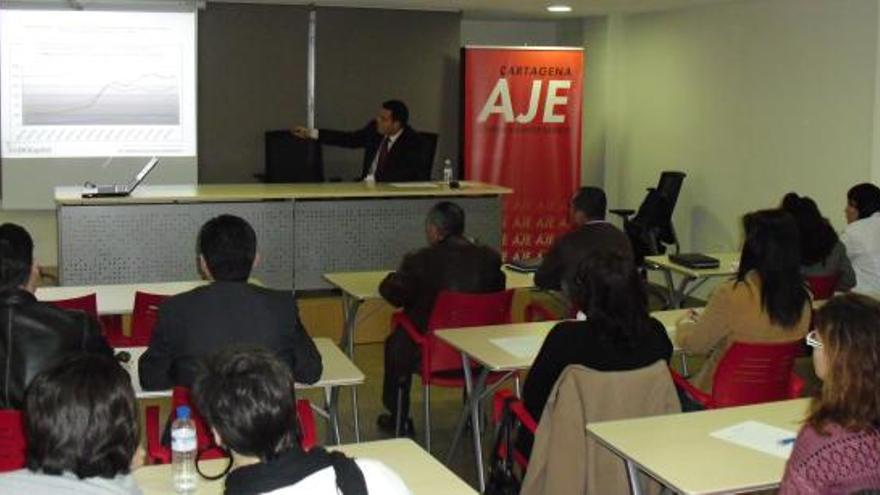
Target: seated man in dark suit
591	234
393	151
227	311
450	262
34	334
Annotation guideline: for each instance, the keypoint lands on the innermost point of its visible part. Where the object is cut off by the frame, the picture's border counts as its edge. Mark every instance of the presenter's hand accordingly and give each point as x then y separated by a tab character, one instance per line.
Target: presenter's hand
302	132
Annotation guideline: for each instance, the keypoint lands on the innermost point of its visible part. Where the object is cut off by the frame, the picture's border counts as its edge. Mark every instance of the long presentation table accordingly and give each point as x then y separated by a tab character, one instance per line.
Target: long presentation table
303	230
421	473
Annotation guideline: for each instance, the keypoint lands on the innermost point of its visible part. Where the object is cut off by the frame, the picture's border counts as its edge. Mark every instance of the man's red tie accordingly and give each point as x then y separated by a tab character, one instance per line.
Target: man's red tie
383	155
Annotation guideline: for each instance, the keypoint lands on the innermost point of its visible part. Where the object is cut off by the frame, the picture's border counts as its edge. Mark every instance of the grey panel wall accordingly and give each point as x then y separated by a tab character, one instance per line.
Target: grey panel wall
123	244
252	78
366	56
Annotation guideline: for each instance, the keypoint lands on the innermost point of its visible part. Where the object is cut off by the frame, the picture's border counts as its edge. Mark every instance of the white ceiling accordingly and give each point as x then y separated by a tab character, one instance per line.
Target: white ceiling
514	9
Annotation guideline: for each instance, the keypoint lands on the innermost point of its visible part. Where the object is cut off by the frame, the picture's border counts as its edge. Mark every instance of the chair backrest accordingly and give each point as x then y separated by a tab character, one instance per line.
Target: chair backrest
457	310
87	304
669	186
12	440
143	316
180	396
564	458
752	373
822	286
429	144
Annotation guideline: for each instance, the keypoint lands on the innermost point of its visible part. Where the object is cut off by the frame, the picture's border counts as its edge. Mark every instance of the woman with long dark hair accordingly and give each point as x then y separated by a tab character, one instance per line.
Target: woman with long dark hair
767	301
838	448
617	335
862	235
822	253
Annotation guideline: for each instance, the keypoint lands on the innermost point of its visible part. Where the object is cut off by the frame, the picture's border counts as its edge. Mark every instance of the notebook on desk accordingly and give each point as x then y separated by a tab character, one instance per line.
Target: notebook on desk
529	265
694	260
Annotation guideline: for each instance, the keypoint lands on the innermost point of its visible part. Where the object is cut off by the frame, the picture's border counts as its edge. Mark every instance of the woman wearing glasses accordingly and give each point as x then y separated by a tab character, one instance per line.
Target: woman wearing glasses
838	448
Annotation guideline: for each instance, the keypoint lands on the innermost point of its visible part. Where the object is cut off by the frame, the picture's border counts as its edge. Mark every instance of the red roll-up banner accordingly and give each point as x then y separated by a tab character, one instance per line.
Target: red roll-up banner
522	129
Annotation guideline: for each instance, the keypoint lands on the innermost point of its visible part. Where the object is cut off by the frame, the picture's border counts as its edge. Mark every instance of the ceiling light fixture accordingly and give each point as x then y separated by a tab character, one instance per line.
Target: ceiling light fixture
558	8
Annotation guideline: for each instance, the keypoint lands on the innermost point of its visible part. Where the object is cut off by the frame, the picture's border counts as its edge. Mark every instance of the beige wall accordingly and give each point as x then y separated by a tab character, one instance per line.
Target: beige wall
751	98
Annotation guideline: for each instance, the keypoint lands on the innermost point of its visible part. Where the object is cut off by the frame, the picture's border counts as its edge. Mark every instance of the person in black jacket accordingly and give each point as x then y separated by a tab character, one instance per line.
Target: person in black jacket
393	151
228	311
617	335
592	233
35	334
450	262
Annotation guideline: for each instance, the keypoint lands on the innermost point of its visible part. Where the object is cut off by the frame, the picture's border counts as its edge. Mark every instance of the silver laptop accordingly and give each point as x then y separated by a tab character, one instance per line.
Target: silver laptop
93	191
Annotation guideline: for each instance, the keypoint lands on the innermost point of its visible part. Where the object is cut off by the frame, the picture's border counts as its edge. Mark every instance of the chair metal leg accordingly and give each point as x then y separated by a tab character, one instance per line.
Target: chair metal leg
427	406
517	387
398	420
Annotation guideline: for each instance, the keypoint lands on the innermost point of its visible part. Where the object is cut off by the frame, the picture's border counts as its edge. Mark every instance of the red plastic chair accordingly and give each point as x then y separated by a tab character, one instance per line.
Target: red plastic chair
143	317
87	304
538	312
750	373
518	408
111	325
441	364
822	286
12	440
161	454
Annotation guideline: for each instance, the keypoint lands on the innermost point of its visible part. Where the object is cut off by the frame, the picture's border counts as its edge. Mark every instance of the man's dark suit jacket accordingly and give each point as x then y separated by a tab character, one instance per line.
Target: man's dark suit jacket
454	264
207	319
407	160
560	265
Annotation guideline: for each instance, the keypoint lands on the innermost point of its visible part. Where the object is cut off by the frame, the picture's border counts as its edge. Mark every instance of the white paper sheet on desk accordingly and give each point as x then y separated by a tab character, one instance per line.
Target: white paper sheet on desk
759	436
413	185
521	347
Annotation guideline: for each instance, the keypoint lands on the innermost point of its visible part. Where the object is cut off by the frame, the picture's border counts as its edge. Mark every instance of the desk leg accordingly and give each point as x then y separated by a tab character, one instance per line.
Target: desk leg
350	307
682	292
473	405
684	364
331	405
670	289
632	472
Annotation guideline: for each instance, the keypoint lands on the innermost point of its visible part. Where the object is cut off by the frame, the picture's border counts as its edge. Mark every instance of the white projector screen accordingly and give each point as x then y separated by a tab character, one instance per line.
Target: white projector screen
83	89
79	83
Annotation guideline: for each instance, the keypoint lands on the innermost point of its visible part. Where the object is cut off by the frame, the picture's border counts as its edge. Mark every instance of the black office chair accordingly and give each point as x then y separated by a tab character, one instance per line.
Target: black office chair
651	229
429	142
291	159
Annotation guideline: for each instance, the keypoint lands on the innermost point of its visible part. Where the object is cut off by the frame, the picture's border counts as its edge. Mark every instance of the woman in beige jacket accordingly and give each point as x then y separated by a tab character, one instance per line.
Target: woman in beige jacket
767	301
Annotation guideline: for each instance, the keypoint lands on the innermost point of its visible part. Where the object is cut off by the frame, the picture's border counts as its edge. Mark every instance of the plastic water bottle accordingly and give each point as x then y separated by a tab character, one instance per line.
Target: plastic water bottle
447	171
183	452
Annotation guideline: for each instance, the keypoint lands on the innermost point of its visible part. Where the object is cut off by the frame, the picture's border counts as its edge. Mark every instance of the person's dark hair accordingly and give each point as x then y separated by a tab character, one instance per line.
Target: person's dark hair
591	202
398	110
818	237
448	217
247	395
849	329
16	256
865	198
608	289
80	416
772	250
229	245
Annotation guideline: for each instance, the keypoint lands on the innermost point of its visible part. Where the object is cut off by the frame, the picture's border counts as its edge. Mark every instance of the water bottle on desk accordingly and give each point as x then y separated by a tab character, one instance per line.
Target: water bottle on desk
448	176
183	452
